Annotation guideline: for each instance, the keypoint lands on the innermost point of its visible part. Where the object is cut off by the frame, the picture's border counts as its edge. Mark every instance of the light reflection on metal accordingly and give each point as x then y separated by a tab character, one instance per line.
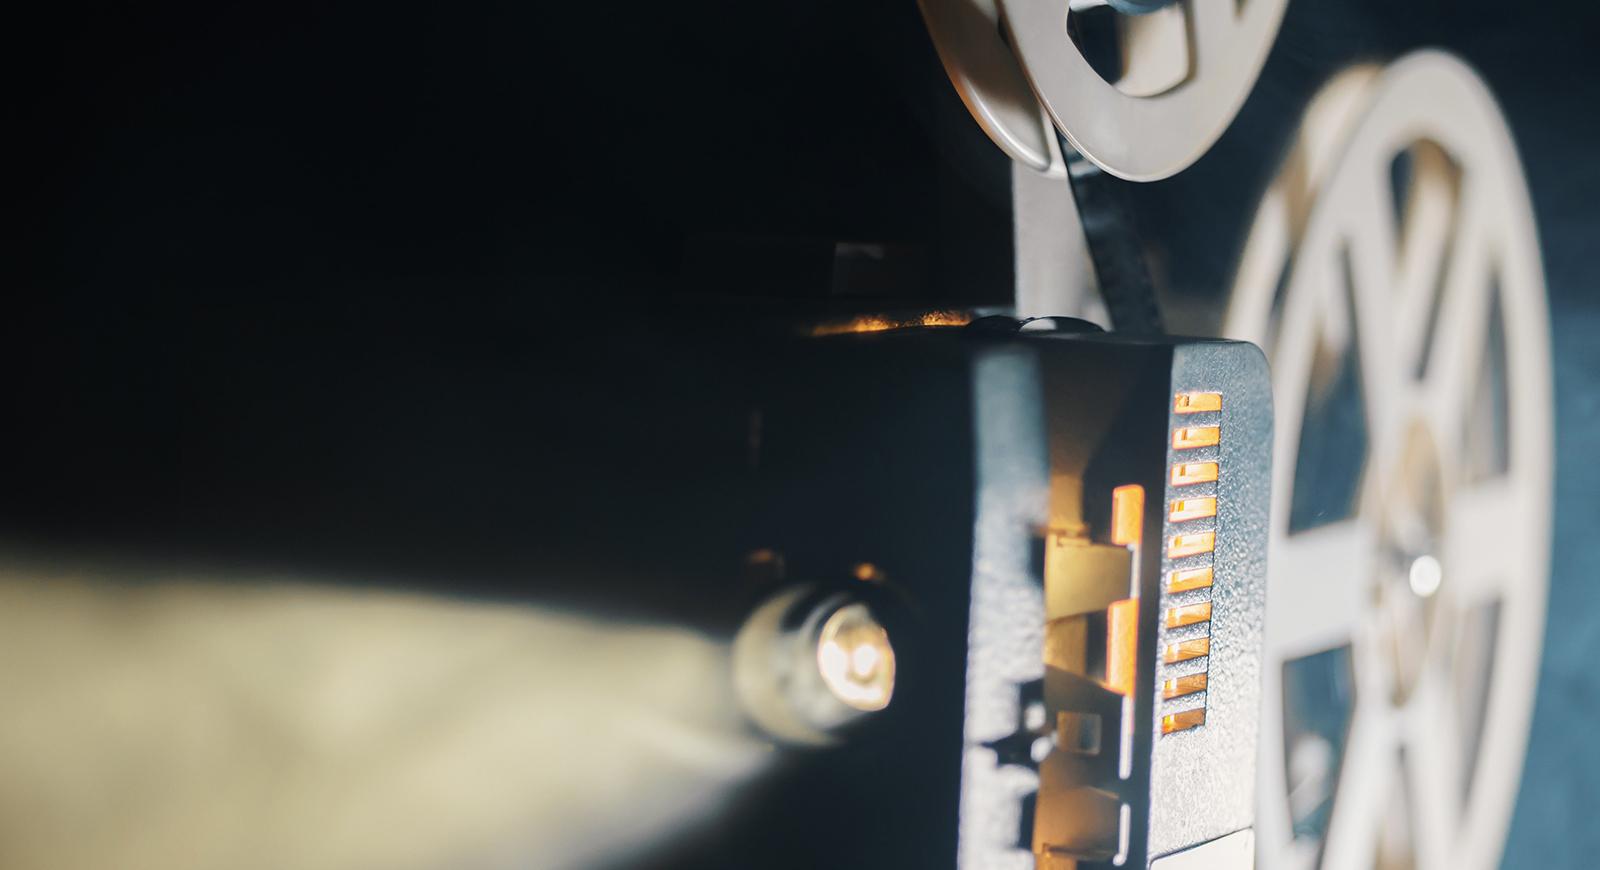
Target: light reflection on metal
1425	576
1188	473
809	662
1188	684
1185	509
1122	649
1088	585
856	659
1189	614
1191	437
867	572
1191	578
1127	515
1184	650
1191	545
1194	403
1122	617
887	322
1175	722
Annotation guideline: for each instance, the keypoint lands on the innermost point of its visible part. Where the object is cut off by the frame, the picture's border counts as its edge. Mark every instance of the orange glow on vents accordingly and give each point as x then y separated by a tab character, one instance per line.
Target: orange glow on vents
1190	537
1185	650
1191	545
1195	436
1183	721
1122	617
1183	509
1127	515
1188	614
1122	646
1195	403
1189	579
885	323
1185	685
1190	473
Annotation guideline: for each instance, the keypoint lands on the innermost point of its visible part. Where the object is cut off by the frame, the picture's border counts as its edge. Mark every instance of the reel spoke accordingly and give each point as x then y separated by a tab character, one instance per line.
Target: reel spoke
1433	755
1450	384
1324	574
1368	267
1365	793
1426	240
1478	563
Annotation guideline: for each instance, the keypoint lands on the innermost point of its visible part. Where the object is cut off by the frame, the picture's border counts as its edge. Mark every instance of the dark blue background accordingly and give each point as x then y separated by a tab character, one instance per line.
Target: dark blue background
203	189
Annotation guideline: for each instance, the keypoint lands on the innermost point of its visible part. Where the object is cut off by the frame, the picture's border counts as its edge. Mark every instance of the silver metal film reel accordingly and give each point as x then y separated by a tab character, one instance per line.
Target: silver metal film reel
966	34
1140	95
1165	85
1393	276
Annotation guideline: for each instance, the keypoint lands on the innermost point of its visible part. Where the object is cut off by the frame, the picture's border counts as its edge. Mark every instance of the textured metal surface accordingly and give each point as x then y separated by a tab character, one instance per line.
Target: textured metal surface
1006	626
1203	780
1236	851
1183	789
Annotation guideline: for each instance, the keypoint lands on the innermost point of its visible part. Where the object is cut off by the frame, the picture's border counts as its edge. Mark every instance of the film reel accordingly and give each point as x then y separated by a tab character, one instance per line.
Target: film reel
1393	276
966	33
1140	88
1160	88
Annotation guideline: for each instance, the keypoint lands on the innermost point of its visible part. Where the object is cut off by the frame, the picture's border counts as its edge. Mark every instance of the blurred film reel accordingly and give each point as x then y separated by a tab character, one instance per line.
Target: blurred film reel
1392	274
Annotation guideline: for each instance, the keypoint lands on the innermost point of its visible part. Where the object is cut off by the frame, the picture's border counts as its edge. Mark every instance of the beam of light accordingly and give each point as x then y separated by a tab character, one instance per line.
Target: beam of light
267	722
